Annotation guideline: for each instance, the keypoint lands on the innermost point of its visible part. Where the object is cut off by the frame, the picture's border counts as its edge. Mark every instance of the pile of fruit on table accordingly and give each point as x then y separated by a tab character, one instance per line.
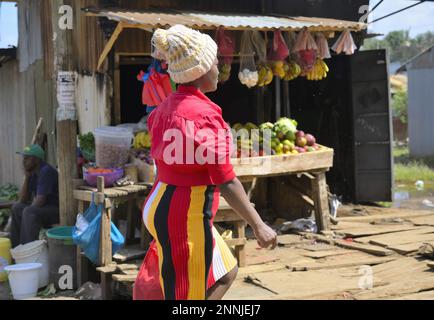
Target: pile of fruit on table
285	139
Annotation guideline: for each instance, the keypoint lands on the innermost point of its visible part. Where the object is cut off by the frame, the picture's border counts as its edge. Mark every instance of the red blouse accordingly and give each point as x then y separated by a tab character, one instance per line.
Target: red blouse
191	143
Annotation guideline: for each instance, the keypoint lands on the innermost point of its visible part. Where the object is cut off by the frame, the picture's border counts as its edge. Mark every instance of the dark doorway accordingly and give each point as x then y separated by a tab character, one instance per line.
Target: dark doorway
132	109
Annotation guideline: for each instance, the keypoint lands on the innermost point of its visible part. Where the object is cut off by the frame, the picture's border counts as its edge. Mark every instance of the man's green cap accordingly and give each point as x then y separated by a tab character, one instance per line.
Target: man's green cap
33	151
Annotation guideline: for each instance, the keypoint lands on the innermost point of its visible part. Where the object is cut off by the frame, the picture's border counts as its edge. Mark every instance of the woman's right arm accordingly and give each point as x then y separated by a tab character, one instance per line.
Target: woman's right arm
234	194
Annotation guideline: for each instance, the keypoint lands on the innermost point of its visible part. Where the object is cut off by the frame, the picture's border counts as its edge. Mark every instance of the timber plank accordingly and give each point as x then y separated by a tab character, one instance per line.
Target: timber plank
394	235
416	238
372	249
423	221
124	277
276	165
406	275
370	230
325	254
128	254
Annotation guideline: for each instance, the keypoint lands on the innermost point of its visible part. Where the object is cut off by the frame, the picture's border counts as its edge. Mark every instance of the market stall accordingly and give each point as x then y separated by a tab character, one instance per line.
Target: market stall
268	50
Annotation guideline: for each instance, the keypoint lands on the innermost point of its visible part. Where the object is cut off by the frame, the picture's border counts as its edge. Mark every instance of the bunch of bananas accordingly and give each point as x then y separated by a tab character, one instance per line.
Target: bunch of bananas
225	72
319	71
292	69
278	68
265	75
142	140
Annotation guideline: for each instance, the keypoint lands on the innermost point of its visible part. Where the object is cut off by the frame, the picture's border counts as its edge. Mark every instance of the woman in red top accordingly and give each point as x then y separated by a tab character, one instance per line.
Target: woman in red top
191	145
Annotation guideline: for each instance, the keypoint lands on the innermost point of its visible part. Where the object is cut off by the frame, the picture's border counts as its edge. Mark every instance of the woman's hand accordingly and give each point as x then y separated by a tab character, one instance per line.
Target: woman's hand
266	236
236	197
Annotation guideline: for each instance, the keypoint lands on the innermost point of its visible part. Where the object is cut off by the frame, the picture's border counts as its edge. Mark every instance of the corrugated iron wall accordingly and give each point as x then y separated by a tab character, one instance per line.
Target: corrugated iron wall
24	97
421	112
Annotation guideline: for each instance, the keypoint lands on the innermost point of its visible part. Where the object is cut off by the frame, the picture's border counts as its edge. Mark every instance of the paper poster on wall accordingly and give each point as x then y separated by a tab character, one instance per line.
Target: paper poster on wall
66	87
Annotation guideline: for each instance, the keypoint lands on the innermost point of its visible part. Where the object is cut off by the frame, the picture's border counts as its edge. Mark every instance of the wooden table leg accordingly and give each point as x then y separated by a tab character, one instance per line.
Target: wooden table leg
106	241
131	228
321	203
81	261
240	251
106	285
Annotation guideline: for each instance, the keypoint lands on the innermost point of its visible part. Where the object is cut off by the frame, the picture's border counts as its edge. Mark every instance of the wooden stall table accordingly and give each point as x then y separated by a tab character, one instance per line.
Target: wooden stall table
311	166
109	197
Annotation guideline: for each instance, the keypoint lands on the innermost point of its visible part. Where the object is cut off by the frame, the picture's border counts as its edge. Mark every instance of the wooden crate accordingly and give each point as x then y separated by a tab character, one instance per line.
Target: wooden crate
284	164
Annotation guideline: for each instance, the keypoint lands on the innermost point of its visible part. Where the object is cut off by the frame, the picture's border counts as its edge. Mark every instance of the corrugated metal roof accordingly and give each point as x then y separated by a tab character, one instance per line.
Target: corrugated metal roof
200	20
423	60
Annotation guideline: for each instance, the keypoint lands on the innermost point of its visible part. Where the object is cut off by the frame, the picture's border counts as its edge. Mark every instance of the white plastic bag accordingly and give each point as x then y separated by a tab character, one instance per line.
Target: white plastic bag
323	46
81	224
248	74
345	43
304	41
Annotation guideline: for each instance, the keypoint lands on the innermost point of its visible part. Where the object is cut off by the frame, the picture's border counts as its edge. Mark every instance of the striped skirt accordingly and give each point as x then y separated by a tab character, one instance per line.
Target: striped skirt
192	255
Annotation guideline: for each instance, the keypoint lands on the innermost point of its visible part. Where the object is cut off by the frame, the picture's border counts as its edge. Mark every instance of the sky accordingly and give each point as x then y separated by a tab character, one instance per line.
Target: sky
418	19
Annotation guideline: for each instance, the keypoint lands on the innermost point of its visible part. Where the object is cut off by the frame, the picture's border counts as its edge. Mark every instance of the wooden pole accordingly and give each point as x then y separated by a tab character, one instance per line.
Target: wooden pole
37	131
321	204
106	242
66	128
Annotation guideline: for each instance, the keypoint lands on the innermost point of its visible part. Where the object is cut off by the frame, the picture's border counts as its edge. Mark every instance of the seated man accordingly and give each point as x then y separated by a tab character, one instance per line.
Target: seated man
38	203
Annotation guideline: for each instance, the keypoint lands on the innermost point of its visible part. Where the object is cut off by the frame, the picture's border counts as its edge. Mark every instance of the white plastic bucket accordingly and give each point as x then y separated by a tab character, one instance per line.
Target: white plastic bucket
34	252
24	279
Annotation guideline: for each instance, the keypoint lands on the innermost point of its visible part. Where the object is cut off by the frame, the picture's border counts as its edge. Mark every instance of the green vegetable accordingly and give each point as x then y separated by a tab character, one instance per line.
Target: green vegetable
286	124
8	192
87	146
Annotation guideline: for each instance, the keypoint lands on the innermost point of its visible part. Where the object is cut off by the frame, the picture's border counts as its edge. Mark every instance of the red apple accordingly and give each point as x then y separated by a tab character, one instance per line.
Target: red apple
310	140
300	134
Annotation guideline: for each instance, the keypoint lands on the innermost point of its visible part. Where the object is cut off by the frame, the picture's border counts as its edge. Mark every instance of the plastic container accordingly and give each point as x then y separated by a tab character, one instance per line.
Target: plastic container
112	146
5	258
62	256
34	252
109	178
24	279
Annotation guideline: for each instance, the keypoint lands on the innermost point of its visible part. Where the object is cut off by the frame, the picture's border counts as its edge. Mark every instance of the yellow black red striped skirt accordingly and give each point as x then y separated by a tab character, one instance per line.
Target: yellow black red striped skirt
192	255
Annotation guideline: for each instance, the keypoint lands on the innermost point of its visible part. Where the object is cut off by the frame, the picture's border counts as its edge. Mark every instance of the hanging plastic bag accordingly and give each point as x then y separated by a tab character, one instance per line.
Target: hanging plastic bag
248	74
278	50
323	46
292	68
306	50
226	47
277	54
345	43
147	285
265	73
291	40
89	239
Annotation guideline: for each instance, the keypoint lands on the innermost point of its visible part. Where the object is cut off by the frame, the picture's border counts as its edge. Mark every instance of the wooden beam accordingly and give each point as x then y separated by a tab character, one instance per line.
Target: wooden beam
37	131
66	129
110	44
106	243
320	198
117	90
66	161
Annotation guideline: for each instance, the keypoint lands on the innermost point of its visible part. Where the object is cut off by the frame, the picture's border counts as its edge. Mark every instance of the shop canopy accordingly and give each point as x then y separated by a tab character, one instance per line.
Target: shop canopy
149	20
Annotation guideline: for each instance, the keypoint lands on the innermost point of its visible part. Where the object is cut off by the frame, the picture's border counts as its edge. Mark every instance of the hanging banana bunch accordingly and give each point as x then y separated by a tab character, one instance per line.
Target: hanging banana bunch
265	75
292	71
318	72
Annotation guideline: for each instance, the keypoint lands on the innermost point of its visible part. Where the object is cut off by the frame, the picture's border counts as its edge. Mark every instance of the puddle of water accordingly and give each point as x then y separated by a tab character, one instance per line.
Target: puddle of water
408	196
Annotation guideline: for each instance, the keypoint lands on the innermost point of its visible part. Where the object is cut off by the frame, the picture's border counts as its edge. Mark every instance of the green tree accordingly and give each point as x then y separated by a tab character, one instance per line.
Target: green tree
400	46
400	105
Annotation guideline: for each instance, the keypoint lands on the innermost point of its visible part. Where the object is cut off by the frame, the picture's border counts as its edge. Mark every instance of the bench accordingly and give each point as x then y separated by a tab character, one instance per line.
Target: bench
226	214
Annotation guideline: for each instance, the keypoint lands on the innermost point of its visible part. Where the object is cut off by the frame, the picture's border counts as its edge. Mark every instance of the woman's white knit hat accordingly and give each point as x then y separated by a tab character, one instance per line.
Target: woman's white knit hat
189	53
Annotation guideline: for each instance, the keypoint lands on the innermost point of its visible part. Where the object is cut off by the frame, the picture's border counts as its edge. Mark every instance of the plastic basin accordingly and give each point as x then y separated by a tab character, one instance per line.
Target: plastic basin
24	279
109	178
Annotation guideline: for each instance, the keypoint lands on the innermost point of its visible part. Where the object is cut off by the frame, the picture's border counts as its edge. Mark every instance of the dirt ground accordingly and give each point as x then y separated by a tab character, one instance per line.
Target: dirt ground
372	254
